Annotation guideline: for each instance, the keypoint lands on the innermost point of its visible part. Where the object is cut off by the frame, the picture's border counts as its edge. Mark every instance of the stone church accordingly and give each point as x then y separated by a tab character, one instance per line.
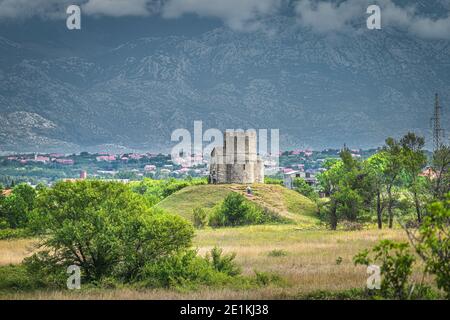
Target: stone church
237	160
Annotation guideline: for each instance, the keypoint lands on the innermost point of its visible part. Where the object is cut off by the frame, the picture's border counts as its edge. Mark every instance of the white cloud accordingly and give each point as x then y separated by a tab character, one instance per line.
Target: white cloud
320	15
325	16
22	9
118	8
434	29
237	14
329	16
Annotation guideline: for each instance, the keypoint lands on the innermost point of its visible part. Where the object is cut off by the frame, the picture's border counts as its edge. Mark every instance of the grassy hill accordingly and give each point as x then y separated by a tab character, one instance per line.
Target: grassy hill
287	203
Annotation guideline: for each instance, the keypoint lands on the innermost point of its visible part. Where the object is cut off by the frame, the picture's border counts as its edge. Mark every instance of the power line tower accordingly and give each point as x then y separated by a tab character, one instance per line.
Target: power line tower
438	132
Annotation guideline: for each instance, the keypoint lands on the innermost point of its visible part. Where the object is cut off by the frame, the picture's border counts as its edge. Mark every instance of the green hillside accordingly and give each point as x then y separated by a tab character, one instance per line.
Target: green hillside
287	203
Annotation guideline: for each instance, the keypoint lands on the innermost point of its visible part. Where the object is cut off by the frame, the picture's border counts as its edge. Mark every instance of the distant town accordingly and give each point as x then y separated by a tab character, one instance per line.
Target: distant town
48	168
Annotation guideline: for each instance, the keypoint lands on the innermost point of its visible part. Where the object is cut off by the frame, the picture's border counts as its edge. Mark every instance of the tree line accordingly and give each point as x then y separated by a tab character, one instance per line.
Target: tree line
388	184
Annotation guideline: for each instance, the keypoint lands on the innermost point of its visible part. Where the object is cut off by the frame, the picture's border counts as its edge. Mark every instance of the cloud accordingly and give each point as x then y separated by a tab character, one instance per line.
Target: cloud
237	14
330	16
23	9
324	16
320	15
118	8
434	29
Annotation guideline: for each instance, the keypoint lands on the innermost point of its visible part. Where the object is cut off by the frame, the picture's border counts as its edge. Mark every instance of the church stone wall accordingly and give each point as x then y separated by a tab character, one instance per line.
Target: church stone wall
237	161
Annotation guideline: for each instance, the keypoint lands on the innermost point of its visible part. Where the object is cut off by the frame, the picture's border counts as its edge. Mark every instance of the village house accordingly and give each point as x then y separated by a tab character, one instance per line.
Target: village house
290	176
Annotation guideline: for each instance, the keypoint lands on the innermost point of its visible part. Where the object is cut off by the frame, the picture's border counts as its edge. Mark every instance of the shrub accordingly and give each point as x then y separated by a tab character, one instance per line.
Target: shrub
269	180
156	190
15	209
352	226
200	218
419	293
182	270
305	189
16	277
223	263
433	243
14	233
235	210
104	228
277	253
396	267
266	278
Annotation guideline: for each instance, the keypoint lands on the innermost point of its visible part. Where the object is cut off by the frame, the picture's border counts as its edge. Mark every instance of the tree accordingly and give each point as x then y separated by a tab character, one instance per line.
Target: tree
392	151
27	193
396	266
305	189
104	228
375	167
432	242
441	164
15	209
414	159
345	182
329	182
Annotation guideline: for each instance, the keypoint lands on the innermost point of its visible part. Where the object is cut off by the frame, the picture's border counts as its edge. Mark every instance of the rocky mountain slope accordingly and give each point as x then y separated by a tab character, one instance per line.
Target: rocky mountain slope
319	90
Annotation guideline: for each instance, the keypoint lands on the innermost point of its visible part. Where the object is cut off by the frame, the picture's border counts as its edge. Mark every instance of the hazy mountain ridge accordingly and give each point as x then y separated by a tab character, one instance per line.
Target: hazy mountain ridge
320	91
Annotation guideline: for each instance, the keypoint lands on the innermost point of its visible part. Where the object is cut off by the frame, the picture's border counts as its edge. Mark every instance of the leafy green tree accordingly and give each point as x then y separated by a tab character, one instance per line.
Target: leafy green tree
441	166
347	185
414	159
27	193
396	266
104	228
15	209
432	243
375	167
392	152
302	187
329	182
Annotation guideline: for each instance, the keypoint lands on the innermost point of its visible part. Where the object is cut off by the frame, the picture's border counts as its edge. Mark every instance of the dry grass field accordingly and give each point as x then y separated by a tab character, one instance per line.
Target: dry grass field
308	263
13	251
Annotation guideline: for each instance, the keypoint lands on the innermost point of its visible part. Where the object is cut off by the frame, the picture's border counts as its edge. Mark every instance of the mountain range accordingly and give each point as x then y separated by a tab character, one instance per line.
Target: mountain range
319	90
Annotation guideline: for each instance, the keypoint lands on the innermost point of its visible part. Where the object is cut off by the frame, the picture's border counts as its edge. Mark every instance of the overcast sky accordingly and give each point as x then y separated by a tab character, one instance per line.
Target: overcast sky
246	15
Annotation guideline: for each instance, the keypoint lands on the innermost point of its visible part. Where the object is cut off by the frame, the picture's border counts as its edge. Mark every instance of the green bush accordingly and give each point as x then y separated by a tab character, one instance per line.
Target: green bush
269	180
156	190
305	189
236	210
6	234
266	278
17	278
104	228
277	253
223	263
15	209
420	292
182	270
433	243
200	217
396	267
